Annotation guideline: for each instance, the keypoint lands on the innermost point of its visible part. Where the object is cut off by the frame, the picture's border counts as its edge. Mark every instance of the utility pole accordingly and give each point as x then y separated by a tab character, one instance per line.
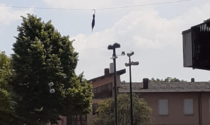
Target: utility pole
113	47
131	98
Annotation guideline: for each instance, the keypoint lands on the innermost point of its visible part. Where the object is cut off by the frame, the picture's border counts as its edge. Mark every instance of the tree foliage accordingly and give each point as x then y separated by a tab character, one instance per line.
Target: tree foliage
42	55
168	79
5	98
105	110
6	103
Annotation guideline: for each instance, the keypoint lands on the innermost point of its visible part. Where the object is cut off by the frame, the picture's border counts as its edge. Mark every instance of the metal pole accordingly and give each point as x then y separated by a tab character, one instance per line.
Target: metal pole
131	99
115	84
50	107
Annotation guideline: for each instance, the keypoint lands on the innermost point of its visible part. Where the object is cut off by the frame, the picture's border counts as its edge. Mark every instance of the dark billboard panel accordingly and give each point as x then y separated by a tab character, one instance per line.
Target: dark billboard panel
196	47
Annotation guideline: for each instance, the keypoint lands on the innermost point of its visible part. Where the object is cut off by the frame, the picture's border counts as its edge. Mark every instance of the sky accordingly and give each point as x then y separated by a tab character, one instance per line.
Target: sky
149	28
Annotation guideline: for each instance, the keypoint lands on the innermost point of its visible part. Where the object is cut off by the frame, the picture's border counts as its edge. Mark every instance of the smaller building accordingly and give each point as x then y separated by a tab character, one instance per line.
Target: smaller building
103	87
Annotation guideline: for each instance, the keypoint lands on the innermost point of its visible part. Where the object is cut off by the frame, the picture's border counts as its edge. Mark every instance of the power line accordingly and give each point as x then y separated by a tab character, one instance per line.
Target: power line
108	8
151	4
42	8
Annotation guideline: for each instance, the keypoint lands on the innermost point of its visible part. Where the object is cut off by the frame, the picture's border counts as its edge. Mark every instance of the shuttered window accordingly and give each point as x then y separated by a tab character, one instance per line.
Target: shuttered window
188	106
104	91
163	106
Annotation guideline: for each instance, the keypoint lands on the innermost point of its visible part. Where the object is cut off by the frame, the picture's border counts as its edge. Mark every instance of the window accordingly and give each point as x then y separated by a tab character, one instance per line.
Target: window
104	91
99	92
188	106
103	88
110	90
163	106
96	93
110	87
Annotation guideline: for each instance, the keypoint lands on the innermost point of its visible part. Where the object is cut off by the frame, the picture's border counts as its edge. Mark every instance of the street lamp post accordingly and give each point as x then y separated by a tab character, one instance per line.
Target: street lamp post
131	98
113	47
51	92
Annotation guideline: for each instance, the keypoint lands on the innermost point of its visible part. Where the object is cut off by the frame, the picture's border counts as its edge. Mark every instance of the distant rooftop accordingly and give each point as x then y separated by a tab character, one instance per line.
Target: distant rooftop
167	87
119	72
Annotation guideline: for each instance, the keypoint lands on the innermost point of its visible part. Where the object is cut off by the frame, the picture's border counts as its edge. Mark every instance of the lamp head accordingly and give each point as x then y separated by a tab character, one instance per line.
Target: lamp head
110	47
52	91
116	45
135	63
123	53
127	64
130	54
51	84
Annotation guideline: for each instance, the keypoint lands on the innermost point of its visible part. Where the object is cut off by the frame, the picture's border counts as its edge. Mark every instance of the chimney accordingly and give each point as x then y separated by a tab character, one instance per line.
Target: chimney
145	83
106	71
192	79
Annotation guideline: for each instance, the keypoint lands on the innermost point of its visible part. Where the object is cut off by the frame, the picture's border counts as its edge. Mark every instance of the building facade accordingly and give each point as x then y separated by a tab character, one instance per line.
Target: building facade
175	103
172	103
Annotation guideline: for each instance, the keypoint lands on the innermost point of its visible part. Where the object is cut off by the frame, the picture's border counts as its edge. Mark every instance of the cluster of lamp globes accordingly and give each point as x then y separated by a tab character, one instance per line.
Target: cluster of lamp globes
51	89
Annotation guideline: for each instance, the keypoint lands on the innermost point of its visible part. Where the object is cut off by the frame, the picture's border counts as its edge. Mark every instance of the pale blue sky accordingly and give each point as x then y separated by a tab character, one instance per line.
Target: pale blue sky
152	32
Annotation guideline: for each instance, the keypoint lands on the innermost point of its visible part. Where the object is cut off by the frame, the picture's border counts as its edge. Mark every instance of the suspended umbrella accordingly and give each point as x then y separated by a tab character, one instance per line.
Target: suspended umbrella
93	21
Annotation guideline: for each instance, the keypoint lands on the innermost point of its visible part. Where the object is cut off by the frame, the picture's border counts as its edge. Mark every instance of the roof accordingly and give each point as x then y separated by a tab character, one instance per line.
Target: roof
167	87
192	27
119	72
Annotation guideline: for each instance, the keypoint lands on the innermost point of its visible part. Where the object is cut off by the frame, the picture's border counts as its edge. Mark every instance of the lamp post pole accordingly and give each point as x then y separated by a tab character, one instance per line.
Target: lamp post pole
115	84
131	98
115	87
113	47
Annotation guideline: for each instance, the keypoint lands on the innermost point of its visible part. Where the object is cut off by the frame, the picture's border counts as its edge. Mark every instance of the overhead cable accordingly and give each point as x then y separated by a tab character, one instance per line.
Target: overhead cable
108	8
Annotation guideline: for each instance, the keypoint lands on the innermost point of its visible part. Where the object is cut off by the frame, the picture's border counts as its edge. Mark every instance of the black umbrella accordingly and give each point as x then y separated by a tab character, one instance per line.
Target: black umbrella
93	21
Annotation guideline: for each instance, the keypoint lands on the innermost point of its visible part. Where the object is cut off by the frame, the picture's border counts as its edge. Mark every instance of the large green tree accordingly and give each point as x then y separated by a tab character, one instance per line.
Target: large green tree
105	111
42	55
